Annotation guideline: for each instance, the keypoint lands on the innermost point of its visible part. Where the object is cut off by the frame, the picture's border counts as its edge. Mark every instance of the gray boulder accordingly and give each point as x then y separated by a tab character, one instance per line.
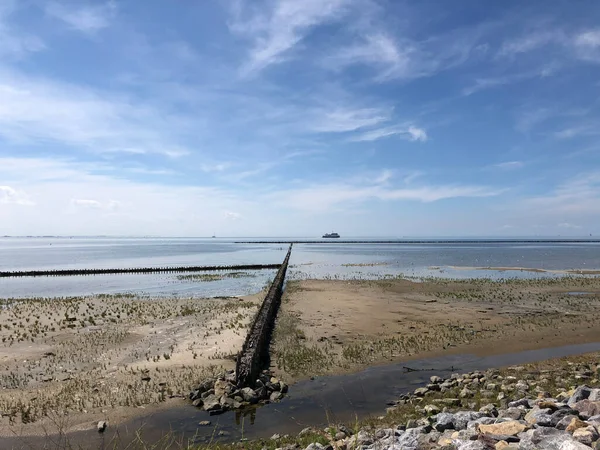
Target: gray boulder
444	421
587	408
511	413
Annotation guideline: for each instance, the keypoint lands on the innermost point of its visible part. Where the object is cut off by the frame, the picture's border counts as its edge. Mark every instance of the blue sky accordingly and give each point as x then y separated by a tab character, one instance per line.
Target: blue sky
287	117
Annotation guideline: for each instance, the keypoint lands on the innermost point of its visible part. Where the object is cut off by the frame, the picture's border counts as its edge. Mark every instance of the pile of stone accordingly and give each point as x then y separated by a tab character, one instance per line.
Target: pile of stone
522	415
222	394
531	419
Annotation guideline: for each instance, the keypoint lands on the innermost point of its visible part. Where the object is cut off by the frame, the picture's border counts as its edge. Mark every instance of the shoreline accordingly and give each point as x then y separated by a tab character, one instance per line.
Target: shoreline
343	326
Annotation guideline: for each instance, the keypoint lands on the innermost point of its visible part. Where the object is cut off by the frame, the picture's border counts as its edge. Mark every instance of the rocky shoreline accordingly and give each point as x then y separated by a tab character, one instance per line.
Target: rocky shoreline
221	394
556	408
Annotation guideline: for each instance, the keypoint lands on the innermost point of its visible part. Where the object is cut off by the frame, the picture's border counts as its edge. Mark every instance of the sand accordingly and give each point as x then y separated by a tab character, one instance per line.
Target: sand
77	361
330	327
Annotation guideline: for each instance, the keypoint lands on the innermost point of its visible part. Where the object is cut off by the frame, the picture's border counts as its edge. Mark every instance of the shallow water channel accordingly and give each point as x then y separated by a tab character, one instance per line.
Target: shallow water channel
318	402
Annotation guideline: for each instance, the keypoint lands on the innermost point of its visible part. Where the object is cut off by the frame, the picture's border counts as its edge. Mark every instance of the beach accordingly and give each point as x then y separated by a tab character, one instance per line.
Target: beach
331	327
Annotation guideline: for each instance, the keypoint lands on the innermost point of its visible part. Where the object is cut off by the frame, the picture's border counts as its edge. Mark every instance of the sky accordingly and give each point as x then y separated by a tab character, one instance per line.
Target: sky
295	118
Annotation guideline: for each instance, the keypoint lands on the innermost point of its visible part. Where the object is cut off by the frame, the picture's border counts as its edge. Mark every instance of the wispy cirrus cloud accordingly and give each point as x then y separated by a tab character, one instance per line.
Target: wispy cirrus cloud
37	110
579	195
587	45
510	165
87	18
531	41
339	120
408	132
481	84
276	27
323	197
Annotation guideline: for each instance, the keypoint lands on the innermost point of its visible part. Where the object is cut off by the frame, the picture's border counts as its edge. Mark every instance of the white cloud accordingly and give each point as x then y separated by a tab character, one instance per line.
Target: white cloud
510	165
276	31
324	197
8	195
530	42
230	215
577	197
408	132
88	18
587	45
340	120
39	110
492	82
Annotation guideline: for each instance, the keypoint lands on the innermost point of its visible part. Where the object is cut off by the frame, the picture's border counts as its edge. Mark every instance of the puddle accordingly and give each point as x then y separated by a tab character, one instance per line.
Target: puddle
580	293
316	403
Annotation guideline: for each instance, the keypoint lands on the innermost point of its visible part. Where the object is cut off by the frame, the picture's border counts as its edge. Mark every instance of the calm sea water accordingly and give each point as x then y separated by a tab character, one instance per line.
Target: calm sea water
328	260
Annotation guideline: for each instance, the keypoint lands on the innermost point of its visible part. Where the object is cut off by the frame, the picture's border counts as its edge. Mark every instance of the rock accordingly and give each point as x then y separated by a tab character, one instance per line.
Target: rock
226	402
521	402
435	379
275	437
283	388
546	404
565	422
575	424
465	393
315	446
489	410
470	445
474	424
204	423
509	428
594	395
573	445
421	392
501	445
223	387
462	418
586	435
595	419
207	393
444	421
411	423
409	439
586	408
276	396
364	438
431	409
198	403
511	413
581	393
249	395
211	403
539	416
102	426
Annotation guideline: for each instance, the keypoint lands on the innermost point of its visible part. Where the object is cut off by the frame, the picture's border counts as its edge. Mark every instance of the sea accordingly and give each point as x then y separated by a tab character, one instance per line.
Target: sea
452	258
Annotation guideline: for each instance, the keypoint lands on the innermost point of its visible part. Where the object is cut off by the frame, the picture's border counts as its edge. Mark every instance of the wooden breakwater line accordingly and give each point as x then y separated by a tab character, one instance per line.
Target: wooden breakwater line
255	351
142	270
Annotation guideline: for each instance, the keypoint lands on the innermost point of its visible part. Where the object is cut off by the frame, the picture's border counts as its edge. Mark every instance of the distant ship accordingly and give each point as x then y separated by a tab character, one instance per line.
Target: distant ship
331	235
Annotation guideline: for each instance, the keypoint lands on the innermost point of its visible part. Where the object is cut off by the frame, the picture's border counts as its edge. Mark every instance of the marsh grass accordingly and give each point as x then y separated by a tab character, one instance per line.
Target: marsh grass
207	277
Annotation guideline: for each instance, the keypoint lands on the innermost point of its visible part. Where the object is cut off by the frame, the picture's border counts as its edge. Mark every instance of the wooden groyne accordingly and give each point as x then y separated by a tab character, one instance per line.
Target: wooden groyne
255	352
143	270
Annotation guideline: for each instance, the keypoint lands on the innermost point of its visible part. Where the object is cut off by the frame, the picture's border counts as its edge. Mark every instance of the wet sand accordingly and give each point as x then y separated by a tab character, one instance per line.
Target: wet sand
332	327
68	363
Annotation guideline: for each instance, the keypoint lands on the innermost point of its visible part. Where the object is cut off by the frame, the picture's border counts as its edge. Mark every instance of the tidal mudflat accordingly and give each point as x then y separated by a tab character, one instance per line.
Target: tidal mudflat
83	359
331	327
